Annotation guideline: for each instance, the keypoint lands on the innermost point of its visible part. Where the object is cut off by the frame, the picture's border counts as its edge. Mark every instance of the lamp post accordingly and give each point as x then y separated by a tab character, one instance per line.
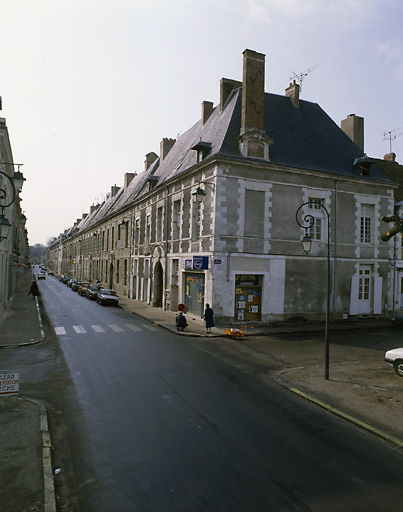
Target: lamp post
8	192
307	222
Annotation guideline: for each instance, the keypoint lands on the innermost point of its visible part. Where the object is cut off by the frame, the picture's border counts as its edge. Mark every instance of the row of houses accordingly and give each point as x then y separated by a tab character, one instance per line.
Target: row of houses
14	249
212	219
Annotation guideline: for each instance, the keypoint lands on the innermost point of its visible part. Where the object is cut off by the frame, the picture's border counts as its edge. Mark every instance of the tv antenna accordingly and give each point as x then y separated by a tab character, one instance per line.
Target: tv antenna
392	136
300	76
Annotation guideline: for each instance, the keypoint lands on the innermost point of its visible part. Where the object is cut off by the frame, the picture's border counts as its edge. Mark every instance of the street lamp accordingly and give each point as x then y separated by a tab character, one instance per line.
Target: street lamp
8	192
200	194
307	223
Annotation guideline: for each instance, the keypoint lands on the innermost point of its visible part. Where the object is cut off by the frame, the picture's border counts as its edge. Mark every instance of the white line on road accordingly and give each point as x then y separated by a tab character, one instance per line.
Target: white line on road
60	331
98	328
79	329
115	328
134	327
149	327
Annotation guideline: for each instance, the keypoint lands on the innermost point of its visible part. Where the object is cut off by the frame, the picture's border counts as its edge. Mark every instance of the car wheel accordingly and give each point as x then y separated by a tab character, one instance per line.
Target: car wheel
398	366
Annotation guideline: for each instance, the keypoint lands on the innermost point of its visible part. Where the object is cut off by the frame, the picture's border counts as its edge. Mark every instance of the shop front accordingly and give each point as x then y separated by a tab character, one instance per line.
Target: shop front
194	293
248	298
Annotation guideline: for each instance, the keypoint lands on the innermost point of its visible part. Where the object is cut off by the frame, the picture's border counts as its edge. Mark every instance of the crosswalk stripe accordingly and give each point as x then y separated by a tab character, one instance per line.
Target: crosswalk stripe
149	327
98	328
60	331
115	328
133	327
79	329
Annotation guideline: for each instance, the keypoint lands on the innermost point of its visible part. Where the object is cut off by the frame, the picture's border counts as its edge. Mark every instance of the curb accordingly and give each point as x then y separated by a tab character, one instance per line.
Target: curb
386	437
49	487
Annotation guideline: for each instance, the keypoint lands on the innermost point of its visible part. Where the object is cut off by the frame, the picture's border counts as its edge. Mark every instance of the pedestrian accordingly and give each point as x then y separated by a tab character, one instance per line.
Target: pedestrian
181	322
34	290
209	318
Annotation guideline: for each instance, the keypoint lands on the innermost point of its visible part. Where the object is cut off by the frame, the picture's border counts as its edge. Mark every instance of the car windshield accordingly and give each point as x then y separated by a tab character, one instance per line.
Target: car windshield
109	292
95	288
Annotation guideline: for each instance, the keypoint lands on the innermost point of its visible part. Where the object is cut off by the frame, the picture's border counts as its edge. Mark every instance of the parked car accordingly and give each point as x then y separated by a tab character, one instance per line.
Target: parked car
107	297
394	357
70	282
397	320
76	285
41	275
82	289
65	279
92	291
51	273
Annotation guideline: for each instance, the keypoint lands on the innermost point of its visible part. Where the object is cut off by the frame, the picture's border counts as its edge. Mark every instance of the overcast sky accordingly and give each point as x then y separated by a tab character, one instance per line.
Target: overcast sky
89	87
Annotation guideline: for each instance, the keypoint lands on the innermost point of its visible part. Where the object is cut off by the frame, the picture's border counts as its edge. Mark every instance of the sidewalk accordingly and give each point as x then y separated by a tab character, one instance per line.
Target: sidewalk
26	473
366	393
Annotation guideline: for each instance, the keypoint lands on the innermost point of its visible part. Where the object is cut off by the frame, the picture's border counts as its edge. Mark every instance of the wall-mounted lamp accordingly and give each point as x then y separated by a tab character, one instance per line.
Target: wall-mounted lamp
7	197
200	194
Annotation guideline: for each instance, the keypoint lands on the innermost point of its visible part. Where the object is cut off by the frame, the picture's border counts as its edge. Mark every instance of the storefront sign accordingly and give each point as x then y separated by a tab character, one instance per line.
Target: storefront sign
200	262
188	264
9	383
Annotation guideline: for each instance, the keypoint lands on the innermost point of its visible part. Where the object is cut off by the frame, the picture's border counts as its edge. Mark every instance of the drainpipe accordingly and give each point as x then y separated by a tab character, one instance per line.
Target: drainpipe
166	248
335	246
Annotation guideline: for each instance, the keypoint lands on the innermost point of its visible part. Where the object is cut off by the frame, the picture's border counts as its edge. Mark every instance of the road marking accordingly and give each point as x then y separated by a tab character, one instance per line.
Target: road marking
98	328
134	327
149	327
60	331
115	328
79	329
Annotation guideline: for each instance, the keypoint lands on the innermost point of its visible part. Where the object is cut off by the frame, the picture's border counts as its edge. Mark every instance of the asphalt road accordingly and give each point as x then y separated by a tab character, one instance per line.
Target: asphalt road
155	422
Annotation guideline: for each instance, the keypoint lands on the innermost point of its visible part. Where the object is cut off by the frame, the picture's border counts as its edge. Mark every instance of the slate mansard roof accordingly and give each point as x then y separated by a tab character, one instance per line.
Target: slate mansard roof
304	137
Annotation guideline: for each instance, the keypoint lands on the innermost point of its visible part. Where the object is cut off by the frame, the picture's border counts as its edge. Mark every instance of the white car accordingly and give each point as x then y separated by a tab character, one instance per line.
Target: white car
41	275
395	358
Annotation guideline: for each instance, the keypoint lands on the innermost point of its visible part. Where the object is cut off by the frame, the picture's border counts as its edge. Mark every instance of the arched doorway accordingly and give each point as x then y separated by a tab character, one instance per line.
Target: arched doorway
158	285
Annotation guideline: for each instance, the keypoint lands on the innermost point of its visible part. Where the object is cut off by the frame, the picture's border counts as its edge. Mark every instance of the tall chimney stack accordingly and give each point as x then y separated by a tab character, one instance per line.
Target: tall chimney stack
353	126
252	91
226	87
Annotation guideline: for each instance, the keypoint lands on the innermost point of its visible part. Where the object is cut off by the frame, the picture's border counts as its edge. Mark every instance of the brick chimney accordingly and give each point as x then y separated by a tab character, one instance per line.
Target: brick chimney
226	87
353	126
207	108
292	92
128	178
114	190
165	147
150	158
252	91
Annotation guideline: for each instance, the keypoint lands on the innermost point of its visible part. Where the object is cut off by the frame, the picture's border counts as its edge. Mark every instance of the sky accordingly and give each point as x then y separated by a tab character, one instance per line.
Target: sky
89	87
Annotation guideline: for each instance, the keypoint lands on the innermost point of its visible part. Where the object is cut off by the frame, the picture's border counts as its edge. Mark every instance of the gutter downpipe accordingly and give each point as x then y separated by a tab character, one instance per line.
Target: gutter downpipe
166	248
335	247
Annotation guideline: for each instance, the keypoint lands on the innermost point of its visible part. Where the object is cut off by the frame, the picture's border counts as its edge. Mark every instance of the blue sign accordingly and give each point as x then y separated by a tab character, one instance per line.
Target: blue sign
188	264
200	262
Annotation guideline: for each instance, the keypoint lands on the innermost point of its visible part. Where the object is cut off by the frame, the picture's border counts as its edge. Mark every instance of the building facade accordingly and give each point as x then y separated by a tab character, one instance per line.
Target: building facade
213	217
14	250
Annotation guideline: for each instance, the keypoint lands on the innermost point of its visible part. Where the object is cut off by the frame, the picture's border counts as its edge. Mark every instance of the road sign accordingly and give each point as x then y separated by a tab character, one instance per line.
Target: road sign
9	383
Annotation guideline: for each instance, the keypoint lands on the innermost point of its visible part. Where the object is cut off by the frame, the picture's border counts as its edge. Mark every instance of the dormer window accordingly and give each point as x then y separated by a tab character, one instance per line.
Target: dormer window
153	180
255	143
203	149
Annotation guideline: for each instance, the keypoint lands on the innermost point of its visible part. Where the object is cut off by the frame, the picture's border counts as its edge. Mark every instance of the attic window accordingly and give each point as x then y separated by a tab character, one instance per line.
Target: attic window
153	180
364	164
203	149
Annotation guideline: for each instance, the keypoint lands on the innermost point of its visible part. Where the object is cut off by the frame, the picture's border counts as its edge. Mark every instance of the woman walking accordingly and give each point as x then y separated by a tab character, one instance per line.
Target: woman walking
209	318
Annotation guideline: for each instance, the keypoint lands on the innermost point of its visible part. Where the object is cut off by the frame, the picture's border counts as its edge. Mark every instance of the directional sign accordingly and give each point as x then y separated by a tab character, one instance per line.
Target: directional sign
9	383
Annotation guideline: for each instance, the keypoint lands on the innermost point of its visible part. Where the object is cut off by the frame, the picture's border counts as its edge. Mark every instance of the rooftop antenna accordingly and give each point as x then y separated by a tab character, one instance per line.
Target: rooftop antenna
392	136
300	76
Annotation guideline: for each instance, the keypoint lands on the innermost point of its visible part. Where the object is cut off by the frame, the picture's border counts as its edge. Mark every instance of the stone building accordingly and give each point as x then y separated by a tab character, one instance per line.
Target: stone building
213	217
14	257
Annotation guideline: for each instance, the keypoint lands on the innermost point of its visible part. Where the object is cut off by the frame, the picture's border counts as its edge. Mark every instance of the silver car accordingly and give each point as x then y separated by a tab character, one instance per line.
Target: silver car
395	359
